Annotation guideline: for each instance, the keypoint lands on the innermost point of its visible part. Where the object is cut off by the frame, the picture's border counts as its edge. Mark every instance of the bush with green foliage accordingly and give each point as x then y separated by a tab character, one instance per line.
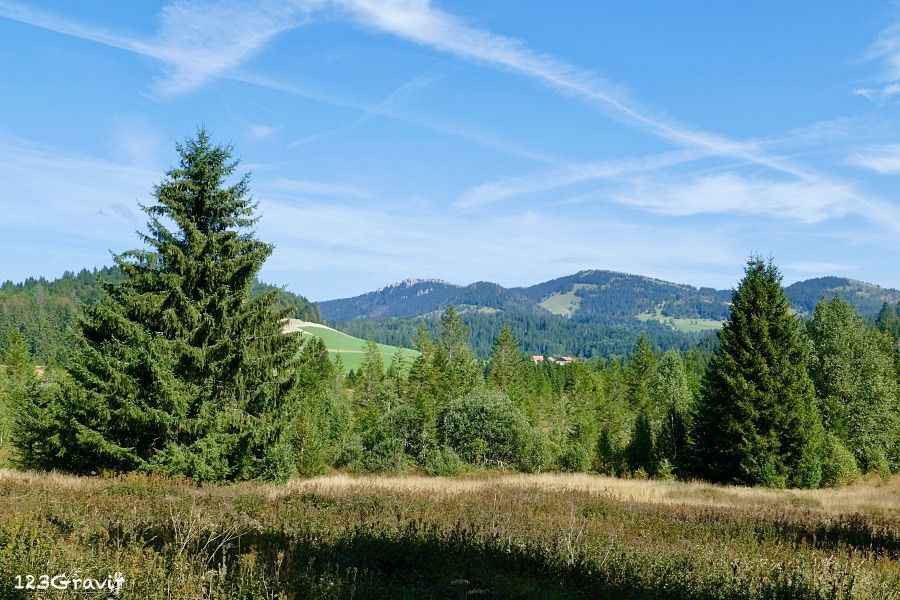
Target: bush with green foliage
838	464
443	461
485	428
575	458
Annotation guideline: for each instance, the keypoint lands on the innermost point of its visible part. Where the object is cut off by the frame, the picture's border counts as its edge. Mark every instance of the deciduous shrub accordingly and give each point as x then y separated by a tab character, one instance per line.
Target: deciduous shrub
444	461
575	458
485	428
839	466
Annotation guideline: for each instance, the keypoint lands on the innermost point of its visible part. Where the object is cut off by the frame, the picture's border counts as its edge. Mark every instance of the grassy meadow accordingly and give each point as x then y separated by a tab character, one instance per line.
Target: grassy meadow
352	350
684	325
478	536
566	303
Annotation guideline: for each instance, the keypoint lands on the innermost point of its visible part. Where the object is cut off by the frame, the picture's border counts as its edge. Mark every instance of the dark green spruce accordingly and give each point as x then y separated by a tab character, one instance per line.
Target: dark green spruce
758	422
180	369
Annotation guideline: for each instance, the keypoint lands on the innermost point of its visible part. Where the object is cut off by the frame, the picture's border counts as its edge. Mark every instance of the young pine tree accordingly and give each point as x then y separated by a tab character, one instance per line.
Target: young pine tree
888	321
640	371
179	370
507	367
758	423
322	419
17	382
674	401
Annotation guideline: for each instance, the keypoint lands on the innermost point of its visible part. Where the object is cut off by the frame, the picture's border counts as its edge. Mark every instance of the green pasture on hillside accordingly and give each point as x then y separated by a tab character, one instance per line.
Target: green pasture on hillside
691	325
352	350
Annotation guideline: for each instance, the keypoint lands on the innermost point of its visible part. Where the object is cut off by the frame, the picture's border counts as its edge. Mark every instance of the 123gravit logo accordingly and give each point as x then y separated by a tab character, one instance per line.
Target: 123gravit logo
111	585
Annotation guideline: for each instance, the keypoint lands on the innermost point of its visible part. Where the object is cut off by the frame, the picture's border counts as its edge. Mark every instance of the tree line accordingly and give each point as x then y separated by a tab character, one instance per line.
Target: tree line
46	311
600	337
181	367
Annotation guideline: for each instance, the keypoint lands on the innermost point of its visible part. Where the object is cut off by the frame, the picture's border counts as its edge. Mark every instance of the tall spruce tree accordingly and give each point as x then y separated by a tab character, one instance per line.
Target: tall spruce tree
758	422
179	369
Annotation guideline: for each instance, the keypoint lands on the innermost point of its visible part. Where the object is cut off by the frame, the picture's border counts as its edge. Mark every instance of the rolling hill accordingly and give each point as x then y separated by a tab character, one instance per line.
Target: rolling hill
868	298
590	295
351	349
417	297
588	313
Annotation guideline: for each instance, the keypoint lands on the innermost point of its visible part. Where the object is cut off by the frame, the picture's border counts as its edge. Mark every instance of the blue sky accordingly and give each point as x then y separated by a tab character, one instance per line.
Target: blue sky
510	141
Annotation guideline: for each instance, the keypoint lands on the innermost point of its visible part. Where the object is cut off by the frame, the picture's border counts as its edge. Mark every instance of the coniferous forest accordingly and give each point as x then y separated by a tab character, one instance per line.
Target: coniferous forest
179	366
137	403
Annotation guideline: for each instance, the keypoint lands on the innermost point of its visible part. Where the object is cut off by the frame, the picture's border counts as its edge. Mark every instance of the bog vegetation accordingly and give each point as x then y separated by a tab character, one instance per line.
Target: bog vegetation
530	537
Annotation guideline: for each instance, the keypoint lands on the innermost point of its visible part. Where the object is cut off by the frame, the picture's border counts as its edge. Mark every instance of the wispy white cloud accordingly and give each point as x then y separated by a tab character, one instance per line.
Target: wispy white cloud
389	108
383	108
52	195
314	188
808	268
799	201
197	40
881	159
877	94
133	141
886	51
571	174
420	22
202	40
261	132
826	197
79	185
45	20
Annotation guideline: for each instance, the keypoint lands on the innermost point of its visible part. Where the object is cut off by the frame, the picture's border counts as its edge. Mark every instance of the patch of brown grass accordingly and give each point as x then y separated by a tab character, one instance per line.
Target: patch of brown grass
872	495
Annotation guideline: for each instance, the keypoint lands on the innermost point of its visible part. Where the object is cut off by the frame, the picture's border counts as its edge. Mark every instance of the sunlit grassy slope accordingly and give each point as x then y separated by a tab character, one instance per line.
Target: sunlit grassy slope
685	325
351	349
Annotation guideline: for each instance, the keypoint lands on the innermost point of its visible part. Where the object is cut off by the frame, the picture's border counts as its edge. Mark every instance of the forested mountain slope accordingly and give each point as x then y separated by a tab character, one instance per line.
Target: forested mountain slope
417	297
589	313
45	310
588	295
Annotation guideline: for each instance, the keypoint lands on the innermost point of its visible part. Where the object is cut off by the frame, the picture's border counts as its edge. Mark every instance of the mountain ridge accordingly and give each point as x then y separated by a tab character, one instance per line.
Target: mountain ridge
590	294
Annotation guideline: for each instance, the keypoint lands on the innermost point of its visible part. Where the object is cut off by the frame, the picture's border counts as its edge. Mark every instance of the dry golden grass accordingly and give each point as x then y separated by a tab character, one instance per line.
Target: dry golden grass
536	537
872	495
53	479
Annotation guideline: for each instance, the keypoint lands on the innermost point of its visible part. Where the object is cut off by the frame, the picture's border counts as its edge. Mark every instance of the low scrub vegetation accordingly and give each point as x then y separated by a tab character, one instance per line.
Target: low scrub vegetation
502	536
